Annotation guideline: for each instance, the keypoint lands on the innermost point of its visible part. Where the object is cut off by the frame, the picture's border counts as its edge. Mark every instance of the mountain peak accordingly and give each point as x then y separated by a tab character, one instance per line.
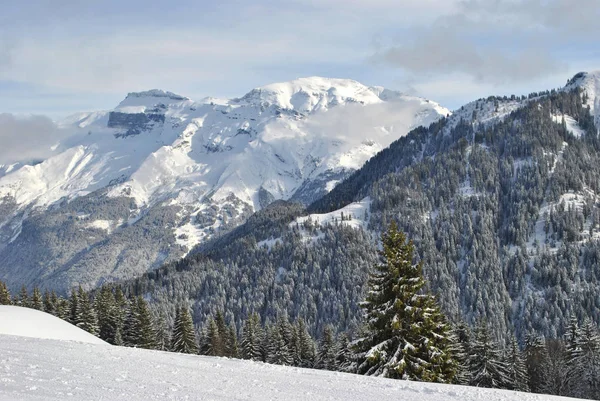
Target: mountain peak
311	94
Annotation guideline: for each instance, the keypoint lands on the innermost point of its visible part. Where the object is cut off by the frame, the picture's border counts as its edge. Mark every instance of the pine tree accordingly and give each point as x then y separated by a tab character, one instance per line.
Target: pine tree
4	294
588	361
232	349
74	310
327	352
216	343
460	345
306	345
252	338
517	371
343	354
407	335
145	325
106	309
62	309
486	367
23	299
536	360
87	319
183	338
279	353
49	302
36	300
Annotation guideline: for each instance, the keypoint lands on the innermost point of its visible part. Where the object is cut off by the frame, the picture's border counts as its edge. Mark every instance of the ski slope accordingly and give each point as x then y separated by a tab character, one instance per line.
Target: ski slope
72	366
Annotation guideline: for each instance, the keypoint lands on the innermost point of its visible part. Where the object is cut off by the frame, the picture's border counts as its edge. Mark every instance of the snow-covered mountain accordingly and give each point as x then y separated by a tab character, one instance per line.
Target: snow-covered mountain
140	185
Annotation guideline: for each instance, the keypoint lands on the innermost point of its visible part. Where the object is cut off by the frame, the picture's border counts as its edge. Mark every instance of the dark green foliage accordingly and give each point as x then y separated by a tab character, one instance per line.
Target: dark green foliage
23	299
4	294
326	356
252	337
183	337
36	300
407	337
517	371
536	359
486	365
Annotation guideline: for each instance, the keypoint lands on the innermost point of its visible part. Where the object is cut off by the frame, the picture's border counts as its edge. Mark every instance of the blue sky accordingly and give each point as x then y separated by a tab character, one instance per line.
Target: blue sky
62	56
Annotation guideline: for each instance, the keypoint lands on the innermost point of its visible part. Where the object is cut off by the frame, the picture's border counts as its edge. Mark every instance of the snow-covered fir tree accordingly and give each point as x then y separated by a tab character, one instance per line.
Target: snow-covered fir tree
252	337
5	298
326	356
183	338
407	335
517	371
486	367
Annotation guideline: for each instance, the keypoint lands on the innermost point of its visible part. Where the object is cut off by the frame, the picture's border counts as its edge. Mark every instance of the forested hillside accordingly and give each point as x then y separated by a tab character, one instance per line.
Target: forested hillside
500	200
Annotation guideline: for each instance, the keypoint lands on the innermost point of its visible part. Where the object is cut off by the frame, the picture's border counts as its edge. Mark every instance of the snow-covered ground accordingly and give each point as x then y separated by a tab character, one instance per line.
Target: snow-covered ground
45	358
17	321
36	369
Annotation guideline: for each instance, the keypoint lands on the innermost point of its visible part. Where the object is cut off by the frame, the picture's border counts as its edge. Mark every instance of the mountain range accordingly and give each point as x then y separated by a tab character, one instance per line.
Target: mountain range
127	190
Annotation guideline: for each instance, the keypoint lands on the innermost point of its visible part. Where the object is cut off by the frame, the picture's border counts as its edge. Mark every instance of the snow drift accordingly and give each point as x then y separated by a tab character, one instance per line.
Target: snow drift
25	322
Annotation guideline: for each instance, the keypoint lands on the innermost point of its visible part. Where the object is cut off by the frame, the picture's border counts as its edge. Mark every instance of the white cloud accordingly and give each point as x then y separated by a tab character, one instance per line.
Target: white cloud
27	139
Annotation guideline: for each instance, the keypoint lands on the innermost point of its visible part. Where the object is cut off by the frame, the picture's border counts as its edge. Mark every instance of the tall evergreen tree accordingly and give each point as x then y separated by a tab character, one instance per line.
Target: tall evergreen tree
4	294
183	338
86	318
252	338
145	325
327	352
36	300
536	360
106	309
23	299
517	371
407	335
49	302
306	345
215	340
486	367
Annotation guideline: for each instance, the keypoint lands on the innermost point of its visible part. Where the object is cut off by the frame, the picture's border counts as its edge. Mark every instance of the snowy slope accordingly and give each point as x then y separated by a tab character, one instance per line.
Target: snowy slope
36	369
141	185
17	321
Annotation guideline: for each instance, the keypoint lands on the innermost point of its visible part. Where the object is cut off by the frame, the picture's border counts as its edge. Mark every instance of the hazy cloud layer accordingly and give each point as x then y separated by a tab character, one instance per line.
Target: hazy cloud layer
70	50
496	41
27	139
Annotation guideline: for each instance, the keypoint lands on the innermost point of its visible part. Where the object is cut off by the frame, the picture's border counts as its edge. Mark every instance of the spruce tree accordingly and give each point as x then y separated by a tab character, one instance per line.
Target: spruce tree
327	352
486	367
74	310
106	309
216	343
87	319
49	302
343	354
36	300
4	294
183	338
588	361
23	299
460	345
232	349
407	336
306	345
536	360
252	338
145	325
517	371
